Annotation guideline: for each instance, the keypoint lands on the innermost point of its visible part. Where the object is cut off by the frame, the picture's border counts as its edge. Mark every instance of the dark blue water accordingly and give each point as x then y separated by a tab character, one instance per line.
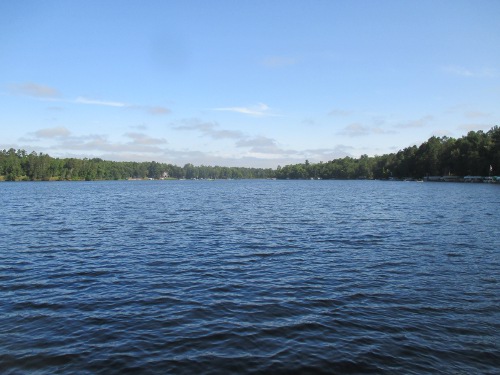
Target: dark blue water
249	277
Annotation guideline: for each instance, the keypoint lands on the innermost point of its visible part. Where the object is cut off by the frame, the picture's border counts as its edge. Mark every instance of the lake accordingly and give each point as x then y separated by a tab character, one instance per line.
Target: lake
251	276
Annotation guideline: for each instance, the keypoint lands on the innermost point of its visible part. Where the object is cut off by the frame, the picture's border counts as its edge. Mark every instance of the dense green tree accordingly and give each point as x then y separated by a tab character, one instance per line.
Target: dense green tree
12	167
494	151
473	154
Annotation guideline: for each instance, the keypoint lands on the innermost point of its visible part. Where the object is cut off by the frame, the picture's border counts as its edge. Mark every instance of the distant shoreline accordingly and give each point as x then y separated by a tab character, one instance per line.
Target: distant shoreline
472	158
432	179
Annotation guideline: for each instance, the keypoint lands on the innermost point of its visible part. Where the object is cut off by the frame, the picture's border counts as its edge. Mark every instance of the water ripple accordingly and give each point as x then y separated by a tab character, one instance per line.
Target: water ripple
249	277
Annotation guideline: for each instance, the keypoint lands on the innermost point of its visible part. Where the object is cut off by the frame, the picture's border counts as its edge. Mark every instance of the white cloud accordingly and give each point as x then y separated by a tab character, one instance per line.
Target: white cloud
359	130
421	122
474	127
248	151
82	100
259	110
56	132
153	110
260	150
261	145
355	130
158	110
36	90
46	93
476	114
100	142
63	139
325	154
143	139
210	129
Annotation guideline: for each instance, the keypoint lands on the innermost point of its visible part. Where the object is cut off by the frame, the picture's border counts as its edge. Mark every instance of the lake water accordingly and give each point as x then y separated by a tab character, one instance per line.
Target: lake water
217	277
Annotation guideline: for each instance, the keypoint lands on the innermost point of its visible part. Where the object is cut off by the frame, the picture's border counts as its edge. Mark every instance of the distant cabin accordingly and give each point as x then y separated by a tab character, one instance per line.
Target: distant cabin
473	179
451	178
433	178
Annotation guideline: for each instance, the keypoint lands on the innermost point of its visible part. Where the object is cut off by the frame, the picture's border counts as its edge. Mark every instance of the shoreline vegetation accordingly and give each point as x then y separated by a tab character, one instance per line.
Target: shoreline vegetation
474	157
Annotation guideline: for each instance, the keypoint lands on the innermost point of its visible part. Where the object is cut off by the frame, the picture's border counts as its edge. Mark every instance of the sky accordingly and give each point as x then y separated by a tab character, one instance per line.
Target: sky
256	83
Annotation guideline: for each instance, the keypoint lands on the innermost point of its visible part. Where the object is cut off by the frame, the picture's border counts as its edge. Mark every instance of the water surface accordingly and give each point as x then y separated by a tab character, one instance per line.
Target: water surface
249	277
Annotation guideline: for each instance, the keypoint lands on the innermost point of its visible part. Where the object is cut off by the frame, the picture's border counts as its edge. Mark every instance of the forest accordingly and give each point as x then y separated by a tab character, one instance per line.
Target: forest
477	153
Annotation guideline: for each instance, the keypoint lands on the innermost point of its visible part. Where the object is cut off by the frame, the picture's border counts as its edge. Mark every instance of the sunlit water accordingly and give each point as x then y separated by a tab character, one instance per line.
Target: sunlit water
249	277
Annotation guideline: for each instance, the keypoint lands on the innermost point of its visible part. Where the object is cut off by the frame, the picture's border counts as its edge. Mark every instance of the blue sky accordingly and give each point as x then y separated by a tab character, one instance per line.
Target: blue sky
244	83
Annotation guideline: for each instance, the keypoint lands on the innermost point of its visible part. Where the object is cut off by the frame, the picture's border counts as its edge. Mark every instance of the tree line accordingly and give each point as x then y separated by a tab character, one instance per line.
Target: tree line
20	165
477	153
